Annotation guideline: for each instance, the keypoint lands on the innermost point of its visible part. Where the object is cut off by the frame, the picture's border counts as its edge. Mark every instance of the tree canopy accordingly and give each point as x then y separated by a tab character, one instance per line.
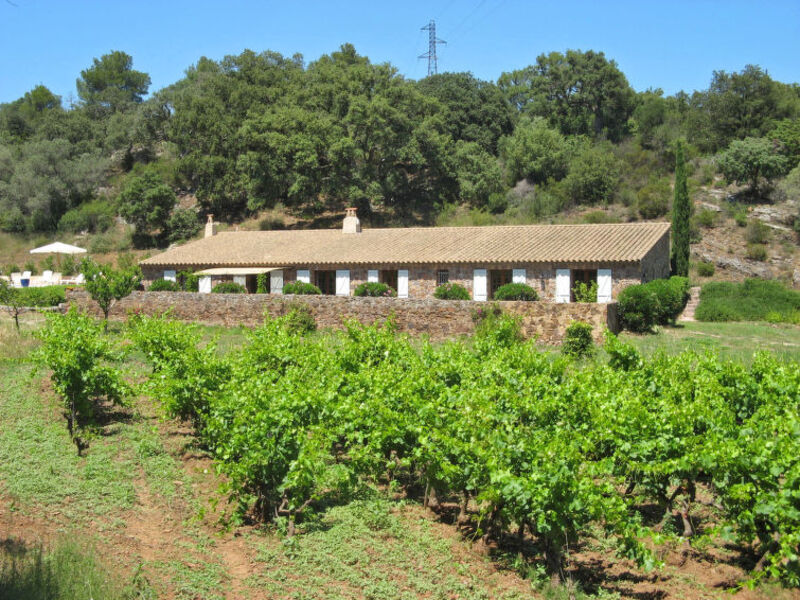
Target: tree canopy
578	92
258	130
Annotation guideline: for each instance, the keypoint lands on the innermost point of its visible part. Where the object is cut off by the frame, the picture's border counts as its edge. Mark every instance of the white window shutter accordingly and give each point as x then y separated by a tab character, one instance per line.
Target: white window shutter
563	285
276	282
519	276
304	275
604	285
204	284
402	283
240	279
342	282
170	276
479	285
372	276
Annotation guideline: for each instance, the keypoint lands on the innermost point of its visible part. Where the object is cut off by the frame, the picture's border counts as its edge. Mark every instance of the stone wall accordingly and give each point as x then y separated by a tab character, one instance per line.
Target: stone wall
437	318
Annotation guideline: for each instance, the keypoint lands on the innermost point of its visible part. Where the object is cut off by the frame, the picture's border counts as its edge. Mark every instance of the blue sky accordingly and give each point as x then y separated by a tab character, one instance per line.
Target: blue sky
673	44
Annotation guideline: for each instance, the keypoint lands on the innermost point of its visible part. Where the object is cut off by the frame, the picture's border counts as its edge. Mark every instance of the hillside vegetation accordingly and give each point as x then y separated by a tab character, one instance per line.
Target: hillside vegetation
283	142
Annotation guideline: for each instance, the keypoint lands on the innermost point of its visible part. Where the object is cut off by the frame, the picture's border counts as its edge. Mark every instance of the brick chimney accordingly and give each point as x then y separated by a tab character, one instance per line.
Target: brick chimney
211	227
351	223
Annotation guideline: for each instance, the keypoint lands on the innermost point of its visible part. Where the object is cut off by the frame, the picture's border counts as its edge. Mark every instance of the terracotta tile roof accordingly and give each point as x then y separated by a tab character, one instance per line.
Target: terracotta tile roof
625	242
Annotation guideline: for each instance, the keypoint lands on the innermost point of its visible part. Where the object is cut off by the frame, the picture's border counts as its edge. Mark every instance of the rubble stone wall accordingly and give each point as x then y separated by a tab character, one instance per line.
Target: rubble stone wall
439	319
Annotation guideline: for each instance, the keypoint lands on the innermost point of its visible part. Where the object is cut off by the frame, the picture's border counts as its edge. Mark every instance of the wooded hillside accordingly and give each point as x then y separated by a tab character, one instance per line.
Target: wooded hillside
256	131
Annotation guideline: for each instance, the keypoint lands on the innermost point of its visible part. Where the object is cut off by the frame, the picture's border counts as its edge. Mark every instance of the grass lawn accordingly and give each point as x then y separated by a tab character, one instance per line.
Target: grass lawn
732	340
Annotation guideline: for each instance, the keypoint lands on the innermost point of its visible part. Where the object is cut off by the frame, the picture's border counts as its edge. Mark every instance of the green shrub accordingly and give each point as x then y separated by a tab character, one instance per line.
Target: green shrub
578	340
496	330
51	295
638	308
516	291
270	224
716	312
189	281
79	356
656	302
598	216
374	289
740	217
163	285
756	252
182	224
585	292
262	283
672	295
188	372
69	266
101	244
621	356
229	287
300	320
706	218
31	266
705	269
451	291
654	198
301	288
94	217
757	232
750	300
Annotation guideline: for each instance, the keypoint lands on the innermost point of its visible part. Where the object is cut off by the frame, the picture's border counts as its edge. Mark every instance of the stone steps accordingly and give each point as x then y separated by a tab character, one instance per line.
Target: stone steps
691	305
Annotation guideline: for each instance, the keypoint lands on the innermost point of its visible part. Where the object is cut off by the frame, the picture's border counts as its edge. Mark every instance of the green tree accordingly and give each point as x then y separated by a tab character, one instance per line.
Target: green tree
473	110
111	84
10	301
48	178
751	160
107	285
146	201
478	173
787	134
739	105
681	213
534	151
594	174
578	92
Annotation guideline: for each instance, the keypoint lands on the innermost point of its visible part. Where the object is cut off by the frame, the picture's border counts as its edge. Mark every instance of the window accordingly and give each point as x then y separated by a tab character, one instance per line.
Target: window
498	277
442	277
586	276
326	282
389	278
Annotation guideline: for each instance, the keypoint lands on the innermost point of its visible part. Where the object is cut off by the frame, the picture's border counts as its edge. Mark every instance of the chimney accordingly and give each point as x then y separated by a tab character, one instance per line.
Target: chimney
211	227
351	223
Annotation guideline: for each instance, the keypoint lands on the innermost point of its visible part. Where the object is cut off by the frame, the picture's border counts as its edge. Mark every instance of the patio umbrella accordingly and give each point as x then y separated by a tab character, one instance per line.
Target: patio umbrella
58	248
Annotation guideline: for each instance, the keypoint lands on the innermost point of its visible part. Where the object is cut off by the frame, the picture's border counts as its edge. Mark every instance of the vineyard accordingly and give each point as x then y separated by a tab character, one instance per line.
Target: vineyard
523	445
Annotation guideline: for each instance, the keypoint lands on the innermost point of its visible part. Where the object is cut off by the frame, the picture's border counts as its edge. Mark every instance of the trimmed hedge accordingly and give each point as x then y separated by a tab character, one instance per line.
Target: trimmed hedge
229	287
301	288
657	302
164	285
751	300
516	291
451	291
374	289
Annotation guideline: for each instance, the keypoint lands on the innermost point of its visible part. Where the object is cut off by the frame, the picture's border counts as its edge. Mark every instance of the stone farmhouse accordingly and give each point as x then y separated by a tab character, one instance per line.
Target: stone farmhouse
415	260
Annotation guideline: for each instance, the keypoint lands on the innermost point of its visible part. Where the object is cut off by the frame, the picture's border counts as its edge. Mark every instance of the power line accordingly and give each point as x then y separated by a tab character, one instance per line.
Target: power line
433	41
